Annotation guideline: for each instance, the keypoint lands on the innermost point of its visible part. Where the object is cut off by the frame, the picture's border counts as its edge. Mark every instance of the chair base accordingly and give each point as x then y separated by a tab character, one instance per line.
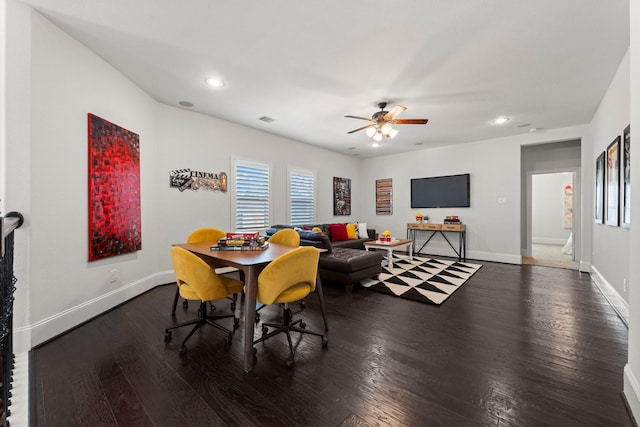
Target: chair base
286	327
202	319
185	303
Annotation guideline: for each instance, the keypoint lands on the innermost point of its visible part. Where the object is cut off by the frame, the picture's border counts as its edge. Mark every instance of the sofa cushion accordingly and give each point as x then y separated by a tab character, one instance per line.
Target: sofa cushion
362	231
352	231
338	232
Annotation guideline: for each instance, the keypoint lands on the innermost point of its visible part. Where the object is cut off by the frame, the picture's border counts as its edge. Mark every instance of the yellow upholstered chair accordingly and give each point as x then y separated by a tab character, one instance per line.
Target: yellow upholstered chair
288	278
285	236
196	280
206	234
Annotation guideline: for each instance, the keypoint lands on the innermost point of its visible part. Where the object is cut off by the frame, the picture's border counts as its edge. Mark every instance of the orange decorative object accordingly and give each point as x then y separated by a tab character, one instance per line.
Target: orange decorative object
223	181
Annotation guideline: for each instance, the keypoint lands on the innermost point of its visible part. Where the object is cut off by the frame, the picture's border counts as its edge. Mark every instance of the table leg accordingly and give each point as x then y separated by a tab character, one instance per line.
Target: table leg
411	252
390	258
251	290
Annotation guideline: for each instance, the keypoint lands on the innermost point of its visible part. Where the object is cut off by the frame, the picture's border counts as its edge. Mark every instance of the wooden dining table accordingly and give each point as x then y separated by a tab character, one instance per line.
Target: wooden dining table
251	263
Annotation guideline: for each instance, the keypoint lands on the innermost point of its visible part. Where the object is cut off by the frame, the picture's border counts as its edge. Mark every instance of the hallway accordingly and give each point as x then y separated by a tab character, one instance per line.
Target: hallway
549	256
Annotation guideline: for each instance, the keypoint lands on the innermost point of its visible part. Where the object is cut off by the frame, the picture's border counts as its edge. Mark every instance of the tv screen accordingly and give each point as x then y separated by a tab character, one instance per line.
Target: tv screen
441	192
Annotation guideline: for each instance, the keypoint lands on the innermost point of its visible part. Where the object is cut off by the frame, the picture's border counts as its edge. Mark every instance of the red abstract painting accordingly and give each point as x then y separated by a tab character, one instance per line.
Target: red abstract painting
114	190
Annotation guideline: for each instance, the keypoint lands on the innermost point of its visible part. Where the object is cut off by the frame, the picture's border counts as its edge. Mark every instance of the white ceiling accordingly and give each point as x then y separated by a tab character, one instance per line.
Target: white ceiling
459	63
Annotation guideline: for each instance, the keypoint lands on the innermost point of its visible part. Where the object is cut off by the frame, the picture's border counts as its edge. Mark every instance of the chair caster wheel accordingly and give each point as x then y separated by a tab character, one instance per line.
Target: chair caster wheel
167	336
183	351
303	325
229	338
265	330
236	323
290	361
185	304
325	342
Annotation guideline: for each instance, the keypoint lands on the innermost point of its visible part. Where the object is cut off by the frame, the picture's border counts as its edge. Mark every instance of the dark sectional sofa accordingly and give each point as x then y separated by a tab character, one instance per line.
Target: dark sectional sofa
311	238
345	261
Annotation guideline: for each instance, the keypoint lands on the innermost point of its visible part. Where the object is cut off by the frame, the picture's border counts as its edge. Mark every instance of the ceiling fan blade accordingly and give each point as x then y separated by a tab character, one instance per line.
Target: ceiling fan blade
363	127
411	121
357	117
394	112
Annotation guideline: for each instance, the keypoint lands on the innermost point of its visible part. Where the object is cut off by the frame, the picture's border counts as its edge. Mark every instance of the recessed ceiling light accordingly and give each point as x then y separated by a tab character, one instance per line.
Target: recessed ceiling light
500	120
214	82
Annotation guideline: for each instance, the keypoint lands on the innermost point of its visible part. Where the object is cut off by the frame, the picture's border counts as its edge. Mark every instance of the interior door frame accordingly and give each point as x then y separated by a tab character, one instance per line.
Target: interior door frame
577	213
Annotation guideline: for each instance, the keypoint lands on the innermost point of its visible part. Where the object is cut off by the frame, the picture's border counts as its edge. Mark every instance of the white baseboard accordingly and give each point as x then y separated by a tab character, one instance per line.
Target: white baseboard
495	257
631	390
611	295
475	255
549	241
27	337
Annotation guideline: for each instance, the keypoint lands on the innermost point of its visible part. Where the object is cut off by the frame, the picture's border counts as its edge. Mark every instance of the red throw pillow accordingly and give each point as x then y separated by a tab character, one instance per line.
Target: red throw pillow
338	232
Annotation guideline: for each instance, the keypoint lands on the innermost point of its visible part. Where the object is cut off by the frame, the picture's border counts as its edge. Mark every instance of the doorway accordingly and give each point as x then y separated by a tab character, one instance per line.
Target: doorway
540	162
552	224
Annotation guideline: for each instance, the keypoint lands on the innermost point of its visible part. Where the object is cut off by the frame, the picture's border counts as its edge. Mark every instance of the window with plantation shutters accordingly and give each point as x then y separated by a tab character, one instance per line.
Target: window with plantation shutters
252	196
301	197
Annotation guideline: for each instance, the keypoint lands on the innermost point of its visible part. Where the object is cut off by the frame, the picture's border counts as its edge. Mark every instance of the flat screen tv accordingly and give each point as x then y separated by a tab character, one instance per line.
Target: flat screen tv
441	192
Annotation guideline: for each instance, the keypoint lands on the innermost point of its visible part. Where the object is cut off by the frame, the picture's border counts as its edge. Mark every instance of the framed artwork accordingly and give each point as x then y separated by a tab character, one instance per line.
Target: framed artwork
384	196
341	196
613	183
114	190
567	200
626	177
599	196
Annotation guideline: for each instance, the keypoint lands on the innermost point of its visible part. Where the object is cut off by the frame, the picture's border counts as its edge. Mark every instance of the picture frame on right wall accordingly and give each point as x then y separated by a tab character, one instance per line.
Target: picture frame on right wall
626	177
599	196
613	183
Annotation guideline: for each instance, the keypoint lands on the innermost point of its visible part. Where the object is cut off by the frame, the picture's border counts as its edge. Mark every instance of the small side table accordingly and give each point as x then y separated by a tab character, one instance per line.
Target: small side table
390	246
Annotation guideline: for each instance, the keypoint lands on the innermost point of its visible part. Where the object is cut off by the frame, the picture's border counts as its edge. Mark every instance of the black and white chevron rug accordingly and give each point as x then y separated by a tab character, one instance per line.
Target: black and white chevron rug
421	279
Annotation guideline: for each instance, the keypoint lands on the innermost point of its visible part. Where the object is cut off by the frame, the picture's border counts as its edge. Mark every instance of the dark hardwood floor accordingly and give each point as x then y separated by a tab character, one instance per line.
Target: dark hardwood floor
515	346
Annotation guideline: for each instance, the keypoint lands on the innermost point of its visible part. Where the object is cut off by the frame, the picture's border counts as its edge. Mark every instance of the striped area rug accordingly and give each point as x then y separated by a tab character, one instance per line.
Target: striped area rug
426	280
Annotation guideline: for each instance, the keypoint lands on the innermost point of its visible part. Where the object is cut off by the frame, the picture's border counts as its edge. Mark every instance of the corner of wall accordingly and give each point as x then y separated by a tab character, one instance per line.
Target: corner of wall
631	392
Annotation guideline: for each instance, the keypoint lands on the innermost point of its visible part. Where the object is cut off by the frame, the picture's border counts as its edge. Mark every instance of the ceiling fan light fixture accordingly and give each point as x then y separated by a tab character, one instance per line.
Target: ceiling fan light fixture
393	133
386	129
377	136
371	131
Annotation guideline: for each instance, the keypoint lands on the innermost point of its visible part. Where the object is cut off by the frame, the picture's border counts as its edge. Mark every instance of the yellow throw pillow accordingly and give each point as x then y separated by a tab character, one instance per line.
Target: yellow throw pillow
316	230
351	231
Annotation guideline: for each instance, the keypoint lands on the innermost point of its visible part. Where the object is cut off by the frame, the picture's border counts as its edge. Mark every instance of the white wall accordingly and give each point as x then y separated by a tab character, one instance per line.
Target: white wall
207	144
548	208
493	228
632	370
610	251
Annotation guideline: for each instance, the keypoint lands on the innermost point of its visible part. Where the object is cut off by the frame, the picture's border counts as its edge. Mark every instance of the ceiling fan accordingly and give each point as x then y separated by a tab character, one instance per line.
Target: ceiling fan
382	121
